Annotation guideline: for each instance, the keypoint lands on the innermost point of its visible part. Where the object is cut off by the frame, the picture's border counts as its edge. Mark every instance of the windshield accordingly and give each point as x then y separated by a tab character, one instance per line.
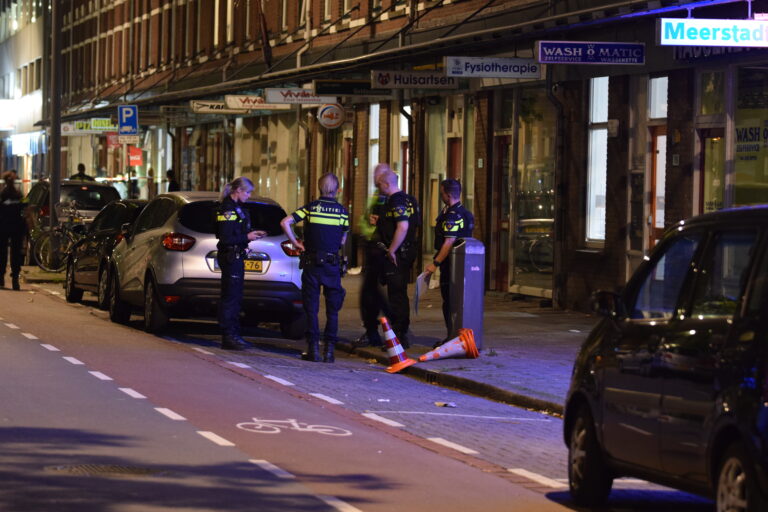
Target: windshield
88	197
201	217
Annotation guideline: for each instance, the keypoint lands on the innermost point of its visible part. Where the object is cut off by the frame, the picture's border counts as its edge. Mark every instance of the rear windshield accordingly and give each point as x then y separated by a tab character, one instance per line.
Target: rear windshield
201	217
88	197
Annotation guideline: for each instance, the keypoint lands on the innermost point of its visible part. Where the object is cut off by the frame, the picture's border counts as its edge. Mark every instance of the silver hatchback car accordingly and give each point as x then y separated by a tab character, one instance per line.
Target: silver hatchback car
166	265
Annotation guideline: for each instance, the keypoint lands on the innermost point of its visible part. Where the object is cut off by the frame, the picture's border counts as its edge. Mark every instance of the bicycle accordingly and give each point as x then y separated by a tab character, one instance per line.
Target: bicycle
52	245
262	426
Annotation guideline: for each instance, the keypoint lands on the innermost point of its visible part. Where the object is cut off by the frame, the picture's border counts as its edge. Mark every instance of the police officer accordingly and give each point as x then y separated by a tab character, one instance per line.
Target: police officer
397	226
327	224
233	229
454	222
12	228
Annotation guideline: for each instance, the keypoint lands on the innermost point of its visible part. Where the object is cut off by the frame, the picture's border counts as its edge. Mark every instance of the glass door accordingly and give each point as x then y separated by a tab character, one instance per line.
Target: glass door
658	184
712	183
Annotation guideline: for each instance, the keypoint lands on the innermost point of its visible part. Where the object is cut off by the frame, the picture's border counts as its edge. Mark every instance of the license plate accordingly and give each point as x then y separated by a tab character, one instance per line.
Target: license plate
252	266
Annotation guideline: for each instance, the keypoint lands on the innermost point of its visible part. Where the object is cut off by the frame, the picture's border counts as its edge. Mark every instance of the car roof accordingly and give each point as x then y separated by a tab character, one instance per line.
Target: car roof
742	215
191	196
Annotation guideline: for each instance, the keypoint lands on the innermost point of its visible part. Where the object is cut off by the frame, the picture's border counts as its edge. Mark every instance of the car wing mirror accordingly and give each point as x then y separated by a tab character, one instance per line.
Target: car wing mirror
608	304
125	230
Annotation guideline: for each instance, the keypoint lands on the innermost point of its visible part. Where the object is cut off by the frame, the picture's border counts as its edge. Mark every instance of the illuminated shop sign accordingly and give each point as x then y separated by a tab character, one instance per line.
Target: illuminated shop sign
702	32
492	67
591	52
393	79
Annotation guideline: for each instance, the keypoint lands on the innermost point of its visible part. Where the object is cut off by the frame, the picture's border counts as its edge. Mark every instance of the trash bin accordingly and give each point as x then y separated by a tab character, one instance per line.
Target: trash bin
467	287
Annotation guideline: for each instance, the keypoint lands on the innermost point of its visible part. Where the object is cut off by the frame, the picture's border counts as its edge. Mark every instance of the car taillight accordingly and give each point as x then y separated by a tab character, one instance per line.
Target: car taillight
45	210
290	249
177	241
119	238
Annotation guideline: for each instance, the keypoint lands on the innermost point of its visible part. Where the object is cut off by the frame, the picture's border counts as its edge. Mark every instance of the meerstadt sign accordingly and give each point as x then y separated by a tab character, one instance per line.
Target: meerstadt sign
706	32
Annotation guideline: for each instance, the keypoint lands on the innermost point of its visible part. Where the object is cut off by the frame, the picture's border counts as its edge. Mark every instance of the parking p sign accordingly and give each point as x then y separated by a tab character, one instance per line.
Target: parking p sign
128	120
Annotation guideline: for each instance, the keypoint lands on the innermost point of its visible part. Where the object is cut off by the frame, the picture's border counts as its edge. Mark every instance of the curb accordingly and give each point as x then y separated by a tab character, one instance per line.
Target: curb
464	384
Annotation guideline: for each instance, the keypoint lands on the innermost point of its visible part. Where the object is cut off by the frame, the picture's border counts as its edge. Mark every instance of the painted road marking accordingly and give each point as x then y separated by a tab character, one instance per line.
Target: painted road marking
49	347
73	360
449	444
53	292
29	336
203	351
216	439
539	479
170	414
239	365
327	398
132	393
268	466
505	418
100	376
279	380
341	506
382	419
12	326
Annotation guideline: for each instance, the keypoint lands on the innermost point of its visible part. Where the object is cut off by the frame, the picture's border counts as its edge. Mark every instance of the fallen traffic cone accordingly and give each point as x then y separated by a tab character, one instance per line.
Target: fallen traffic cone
397	358
462	345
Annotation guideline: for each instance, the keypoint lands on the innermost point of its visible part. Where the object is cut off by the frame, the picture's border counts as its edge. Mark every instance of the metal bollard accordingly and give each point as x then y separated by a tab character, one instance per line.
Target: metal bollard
468	287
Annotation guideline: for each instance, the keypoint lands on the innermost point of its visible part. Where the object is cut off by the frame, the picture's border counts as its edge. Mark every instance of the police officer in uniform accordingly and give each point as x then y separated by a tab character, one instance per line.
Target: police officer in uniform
233	229
397	226
12	228
454	222
327	224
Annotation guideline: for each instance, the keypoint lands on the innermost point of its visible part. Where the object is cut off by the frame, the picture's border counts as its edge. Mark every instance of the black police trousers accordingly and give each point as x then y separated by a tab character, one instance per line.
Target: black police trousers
372	299
14	240
313	278
232	278
395	279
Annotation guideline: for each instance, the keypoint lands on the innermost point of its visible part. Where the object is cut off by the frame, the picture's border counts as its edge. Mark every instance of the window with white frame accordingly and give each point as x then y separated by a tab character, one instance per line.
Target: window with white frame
597	160
373	144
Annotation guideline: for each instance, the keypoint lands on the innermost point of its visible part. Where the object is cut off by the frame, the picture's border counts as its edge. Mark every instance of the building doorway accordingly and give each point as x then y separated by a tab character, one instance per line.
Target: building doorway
657	184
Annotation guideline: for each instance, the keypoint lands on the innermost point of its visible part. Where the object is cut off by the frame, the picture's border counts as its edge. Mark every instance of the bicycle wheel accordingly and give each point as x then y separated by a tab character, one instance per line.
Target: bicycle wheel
541	254
329	430
261	428
45	256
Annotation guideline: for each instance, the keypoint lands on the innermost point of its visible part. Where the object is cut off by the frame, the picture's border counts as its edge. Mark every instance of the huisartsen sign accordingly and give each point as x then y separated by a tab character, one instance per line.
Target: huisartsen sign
703	32
591	52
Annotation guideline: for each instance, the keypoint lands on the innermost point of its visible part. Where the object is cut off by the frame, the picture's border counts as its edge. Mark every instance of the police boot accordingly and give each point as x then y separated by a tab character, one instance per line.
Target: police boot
230	342
313	352
15	282
328	352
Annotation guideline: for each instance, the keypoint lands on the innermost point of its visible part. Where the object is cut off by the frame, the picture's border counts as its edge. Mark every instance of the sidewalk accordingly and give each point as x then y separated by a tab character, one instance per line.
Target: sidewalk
526	359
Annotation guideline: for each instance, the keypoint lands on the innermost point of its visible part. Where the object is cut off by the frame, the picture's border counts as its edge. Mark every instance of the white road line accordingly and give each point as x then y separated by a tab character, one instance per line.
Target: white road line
49	347
327	398
382	419
170	414
539	479
449	444
54	293
239	365
279	380
12	326
100	376
505	418
216	439
29	336
203	351
73	360
132	393
341	506
268	466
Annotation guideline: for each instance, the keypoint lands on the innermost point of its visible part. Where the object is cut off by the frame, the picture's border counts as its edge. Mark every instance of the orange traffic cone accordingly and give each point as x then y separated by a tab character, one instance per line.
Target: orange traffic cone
462	345
397	358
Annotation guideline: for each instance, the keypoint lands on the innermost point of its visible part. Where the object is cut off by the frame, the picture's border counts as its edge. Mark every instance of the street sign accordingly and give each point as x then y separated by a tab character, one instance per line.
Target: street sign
492	67
412	80
128	119
128	139
713	32
348	88
591	52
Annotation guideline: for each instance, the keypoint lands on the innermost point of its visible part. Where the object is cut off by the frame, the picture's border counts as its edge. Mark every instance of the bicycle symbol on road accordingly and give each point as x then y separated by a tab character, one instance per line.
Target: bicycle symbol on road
263	426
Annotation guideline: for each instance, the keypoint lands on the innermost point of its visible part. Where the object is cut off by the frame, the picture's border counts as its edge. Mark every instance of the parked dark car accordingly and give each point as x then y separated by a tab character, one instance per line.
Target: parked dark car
672	384
89	260
89	197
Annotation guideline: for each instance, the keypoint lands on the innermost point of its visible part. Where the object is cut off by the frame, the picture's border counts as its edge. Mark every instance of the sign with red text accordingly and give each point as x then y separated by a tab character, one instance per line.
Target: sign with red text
331	115
295	95
252	102
135	156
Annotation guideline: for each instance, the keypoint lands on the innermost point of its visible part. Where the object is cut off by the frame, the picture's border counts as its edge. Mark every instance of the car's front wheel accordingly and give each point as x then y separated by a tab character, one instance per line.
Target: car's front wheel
589	480
155	316
294	327
71	292
737	489
119	310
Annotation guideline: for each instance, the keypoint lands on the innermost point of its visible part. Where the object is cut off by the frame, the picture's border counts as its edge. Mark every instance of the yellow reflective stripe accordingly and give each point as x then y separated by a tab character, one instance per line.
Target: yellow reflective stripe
301	213
226	217
324	221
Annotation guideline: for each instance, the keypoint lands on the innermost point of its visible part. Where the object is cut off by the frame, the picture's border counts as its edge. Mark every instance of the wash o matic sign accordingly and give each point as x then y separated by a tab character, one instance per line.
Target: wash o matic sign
703	32
591	52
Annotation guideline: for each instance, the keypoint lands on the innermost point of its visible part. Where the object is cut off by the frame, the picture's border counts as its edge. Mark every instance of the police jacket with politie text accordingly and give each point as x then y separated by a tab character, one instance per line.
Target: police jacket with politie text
326	222
233	222
399	207
11	211
453	222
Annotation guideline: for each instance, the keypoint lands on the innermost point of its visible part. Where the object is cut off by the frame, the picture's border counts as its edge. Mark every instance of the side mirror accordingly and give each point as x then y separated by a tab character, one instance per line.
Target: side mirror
125	230
608	304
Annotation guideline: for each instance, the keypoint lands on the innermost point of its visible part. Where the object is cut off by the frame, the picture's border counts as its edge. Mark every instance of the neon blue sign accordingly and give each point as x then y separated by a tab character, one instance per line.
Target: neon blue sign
703	32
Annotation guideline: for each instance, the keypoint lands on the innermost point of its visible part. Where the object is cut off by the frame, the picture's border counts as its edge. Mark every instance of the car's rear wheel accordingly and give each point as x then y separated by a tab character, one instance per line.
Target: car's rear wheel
737	489
155	316
119	310
103	288
293	328
71	292
589	480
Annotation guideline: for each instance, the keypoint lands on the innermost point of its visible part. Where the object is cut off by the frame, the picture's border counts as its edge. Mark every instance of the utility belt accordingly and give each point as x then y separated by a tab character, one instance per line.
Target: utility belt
232	251
405	250
316	259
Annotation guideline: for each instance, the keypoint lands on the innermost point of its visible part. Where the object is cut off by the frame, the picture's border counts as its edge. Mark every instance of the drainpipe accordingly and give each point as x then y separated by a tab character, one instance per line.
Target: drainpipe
559	273
307	32
407	170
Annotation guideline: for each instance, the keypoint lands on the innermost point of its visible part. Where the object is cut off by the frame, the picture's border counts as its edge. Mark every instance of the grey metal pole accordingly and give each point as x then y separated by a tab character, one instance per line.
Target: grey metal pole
55	112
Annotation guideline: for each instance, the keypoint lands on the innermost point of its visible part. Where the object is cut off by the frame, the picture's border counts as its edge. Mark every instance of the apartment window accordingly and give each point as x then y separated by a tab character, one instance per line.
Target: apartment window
373	144
327	10
284	16
597	159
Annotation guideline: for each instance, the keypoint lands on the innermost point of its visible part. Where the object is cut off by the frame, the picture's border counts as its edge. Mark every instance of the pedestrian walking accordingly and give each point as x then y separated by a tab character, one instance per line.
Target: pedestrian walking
454	222
173	185
12	229
397	225
80	174
233	229
372	299
327	224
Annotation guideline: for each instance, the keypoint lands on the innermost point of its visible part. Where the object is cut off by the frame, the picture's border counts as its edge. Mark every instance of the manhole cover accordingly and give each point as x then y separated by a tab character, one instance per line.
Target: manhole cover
104	470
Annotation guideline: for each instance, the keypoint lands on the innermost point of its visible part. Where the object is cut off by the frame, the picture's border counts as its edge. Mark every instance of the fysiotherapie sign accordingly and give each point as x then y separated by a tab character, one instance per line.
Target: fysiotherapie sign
703	32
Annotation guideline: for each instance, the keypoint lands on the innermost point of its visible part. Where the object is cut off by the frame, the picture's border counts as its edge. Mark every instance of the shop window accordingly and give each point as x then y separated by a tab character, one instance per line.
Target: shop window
373	144
597	165
657	97
751	153
712	87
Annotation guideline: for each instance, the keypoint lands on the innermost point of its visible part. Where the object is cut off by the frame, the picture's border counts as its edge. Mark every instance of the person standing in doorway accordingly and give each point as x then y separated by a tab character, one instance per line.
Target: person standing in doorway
454	222
233	229
327	225
12	228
